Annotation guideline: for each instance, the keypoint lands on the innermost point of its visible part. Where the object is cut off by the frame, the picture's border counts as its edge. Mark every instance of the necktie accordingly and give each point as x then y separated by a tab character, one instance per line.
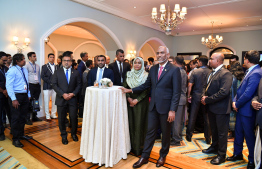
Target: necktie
210	77
246	73
121	69
160	72
100	75
67	76
24	79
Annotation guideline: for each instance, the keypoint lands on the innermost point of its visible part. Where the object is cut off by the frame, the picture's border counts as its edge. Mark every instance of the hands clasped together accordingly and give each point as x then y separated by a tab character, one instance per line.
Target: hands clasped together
68	96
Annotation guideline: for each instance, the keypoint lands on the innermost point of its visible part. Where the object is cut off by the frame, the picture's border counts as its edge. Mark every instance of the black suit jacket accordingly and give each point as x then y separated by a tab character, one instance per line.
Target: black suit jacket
81	68
60	85
3	81
46	75
258	98
218	92
91	77
166	91
117	77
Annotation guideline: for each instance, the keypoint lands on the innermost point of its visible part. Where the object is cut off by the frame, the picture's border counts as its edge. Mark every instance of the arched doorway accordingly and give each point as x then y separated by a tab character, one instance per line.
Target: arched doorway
226	51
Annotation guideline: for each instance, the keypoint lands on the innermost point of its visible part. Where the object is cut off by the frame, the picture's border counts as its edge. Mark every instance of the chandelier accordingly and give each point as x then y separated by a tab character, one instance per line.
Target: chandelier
212	42
169	20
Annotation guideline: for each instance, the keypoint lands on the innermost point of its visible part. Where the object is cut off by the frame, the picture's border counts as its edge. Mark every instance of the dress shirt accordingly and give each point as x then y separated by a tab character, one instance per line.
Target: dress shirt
84	63
214	71
69	73
250	69
162	66
33	69
52	67
97	73
15	82
118	64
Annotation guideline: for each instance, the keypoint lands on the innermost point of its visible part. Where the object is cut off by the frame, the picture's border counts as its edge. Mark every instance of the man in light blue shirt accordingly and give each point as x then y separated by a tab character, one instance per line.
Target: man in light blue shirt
18	91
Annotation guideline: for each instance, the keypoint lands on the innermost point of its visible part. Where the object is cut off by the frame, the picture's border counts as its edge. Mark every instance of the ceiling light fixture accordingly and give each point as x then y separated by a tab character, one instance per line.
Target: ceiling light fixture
169	20
212	42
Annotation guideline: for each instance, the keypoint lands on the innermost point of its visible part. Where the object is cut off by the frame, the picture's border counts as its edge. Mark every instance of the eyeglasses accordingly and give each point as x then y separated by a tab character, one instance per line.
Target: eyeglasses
66	60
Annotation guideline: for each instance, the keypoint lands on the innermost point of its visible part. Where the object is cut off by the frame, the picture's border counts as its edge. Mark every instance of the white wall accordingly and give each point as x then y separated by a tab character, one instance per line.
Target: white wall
147	51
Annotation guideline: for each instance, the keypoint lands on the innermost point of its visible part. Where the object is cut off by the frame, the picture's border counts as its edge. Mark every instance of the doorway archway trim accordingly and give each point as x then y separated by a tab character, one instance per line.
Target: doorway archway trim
152	39
92	42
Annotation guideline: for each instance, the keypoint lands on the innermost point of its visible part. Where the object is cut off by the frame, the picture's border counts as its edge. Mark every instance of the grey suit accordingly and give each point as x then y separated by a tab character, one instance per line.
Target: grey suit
219	108
177	125
165	97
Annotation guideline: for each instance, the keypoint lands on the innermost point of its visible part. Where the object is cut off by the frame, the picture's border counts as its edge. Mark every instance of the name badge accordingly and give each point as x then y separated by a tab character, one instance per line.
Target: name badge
25	87
35	77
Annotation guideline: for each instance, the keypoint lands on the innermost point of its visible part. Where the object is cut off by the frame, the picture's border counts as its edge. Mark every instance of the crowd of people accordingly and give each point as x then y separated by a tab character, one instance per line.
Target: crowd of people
163	95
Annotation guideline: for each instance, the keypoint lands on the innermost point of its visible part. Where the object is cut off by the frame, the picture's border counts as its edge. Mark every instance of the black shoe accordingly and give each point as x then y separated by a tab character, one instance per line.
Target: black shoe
208	140
235	157
36	119
17	143
188	138
26	137
161	161
140	162
210	150
64	141
218	160
2	137
75	138
175	143
29	122
250	165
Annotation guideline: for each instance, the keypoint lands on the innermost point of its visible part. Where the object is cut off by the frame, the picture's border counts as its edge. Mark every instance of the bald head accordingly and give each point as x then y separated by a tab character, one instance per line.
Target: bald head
164	47
216	60
107	59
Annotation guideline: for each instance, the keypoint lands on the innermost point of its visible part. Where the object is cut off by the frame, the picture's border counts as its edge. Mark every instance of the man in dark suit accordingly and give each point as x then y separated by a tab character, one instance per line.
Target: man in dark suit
246	115
97	73
46	74
67	84
196	84
119	68
165	82
217	98
4	106
81	68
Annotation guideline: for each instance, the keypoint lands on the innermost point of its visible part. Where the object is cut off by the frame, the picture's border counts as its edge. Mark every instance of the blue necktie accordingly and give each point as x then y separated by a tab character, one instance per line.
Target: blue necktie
67	76
25	80
100	76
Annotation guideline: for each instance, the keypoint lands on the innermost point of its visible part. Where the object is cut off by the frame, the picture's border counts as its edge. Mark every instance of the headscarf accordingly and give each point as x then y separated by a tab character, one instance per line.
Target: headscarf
134	77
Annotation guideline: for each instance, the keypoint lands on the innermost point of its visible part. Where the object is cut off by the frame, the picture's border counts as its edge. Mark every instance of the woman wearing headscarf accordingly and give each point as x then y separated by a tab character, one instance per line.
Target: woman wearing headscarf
137	106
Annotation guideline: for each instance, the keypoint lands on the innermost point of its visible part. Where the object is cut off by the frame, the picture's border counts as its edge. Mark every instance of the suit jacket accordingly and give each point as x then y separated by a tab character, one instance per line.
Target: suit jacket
61	86
258	98
218	92
246	91
166	91
117	77
81	68
184	78
3	80
46	75
91	77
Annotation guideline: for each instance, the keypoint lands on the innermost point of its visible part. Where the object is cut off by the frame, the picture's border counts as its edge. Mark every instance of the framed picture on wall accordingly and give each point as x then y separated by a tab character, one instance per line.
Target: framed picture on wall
189	56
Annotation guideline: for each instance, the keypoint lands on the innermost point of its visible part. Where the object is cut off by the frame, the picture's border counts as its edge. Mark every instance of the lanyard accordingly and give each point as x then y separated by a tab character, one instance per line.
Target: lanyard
33	67
23	75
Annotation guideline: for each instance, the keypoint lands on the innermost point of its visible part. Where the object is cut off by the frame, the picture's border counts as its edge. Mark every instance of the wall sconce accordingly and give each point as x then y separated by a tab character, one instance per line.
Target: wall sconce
47	40
19	48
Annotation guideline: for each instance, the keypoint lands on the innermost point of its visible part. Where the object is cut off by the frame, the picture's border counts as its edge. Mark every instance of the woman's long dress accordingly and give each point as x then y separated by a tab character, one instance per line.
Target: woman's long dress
137	117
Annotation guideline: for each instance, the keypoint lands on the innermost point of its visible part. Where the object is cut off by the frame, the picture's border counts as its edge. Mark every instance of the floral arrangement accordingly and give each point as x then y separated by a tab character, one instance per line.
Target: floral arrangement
106	82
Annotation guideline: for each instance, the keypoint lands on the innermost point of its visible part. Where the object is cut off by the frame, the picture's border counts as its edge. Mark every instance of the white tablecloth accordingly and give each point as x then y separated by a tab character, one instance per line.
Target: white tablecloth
105	132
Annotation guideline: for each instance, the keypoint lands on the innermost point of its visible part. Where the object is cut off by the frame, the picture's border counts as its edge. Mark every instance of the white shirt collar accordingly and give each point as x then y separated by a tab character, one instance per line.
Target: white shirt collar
163	65
216	69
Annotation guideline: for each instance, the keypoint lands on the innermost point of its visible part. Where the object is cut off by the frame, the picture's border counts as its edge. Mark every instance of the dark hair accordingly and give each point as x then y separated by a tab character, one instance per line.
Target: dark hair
74	64
89	63
145	63
67	54
194	61
79	61
150	59
2	54
8	54
50	55
82	54
60	57
252	56
203	59
119	51
17	58
179	59
30	54
126	60
234	57
172	57
98	56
